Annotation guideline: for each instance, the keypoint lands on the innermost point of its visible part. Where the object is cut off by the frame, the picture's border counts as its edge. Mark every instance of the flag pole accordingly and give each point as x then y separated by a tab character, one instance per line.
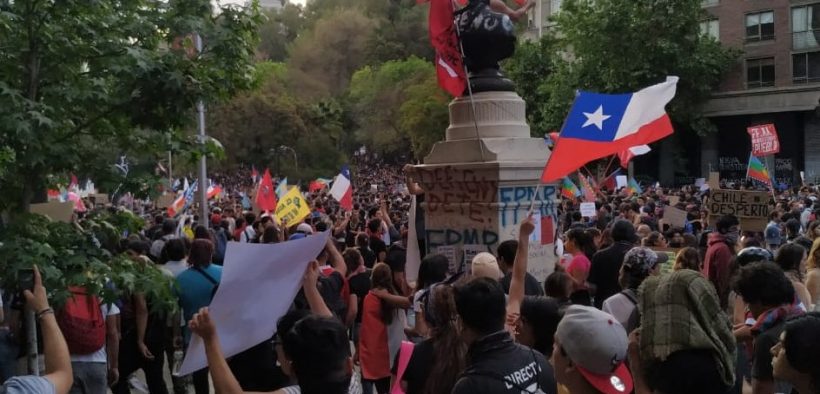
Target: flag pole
771	180
469	86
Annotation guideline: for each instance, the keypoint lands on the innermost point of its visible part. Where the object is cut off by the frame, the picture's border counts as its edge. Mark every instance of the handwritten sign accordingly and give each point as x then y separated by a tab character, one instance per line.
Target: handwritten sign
752	208
764	139
292	207
620	181
449	251
55	210
470	251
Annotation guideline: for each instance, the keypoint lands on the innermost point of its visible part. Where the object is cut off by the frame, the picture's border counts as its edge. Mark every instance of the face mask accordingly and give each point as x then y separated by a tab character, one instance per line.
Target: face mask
732	236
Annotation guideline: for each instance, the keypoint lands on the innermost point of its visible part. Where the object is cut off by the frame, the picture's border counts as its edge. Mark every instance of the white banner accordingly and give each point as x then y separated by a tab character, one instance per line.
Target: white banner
259	282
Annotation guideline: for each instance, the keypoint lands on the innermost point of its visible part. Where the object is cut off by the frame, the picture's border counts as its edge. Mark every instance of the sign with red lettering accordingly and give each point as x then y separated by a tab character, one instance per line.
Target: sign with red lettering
764	140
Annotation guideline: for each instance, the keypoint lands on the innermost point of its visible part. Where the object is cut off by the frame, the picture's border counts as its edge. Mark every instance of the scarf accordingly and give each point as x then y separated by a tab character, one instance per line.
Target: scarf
775	316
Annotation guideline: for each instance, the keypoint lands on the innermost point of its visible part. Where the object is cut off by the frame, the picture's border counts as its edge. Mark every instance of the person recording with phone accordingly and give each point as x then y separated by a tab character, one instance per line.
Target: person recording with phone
58	378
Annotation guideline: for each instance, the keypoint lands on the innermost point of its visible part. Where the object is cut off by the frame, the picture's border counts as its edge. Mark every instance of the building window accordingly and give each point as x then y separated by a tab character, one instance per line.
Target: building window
805	26
806	67
707	3
710	28
555	6
760	26
759	72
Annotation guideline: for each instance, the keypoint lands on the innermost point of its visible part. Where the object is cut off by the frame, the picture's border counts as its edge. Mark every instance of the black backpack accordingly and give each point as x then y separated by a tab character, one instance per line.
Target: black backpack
634	320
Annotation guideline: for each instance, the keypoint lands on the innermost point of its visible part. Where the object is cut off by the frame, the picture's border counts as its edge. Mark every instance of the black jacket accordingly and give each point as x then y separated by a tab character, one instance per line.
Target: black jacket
497	365
603	272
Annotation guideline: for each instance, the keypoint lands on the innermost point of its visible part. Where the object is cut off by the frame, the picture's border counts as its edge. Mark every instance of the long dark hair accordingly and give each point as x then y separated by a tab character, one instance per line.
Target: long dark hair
789	257
382	277
449	351
582	241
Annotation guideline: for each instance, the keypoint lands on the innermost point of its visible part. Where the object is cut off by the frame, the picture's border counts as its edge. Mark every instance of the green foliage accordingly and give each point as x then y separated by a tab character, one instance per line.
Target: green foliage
71	255
279	30
86	80
533	62
622	46
396	103
323	59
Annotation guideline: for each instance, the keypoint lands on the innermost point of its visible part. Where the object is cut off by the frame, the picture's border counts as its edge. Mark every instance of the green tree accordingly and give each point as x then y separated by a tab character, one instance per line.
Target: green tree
622	46
401	31
396	103
278	31
323	59
80	77
533	62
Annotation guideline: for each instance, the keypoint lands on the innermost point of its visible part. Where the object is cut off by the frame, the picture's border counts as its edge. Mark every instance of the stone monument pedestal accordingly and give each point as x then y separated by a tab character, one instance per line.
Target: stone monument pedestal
479	183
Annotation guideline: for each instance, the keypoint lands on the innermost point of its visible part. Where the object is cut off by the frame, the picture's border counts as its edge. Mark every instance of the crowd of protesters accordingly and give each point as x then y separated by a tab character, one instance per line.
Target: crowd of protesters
735	309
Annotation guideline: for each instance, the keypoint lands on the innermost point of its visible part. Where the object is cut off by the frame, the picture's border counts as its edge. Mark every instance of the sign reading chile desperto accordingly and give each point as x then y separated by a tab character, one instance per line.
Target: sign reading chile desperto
764	140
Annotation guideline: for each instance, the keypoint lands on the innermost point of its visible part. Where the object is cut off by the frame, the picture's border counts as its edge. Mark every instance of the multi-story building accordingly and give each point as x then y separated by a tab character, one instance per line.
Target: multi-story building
270	4
777	80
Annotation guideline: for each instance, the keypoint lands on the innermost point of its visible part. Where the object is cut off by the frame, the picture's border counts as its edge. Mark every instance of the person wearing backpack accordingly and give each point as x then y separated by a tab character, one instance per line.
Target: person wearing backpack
639	264
196	287
91	331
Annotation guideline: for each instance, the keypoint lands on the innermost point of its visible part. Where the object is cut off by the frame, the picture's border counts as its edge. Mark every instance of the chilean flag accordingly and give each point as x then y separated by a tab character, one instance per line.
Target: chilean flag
599	125
342	189
626	155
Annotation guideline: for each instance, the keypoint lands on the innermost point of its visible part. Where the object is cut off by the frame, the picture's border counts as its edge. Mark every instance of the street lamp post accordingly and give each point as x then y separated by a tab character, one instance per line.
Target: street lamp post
203	172
295	159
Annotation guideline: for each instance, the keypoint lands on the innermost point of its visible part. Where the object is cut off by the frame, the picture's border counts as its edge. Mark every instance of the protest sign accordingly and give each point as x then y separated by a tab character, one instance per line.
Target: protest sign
714	181
101	198
55	210
752	208
292	208
673	200
470	251
588	209
449	251
764	140
700	182
671	255
255	278
165	200
620	181
674	217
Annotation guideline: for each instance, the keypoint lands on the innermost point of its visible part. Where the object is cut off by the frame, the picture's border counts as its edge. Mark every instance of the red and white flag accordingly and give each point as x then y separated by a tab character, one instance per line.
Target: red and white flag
342	189
626	155
449	63
265	194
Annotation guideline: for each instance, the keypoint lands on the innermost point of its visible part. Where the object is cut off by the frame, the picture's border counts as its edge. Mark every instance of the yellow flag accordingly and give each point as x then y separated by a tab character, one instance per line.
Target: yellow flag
292	208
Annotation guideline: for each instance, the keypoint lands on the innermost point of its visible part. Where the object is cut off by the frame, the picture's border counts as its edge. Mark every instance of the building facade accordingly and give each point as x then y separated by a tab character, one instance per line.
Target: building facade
777	80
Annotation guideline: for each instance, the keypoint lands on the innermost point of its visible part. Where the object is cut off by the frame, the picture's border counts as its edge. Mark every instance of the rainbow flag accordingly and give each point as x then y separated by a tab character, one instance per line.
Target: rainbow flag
568	189
757	171
633	187
586	188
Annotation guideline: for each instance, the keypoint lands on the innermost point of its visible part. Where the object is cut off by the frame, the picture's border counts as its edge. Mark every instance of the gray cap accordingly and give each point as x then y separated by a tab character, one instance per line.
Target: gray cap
597	344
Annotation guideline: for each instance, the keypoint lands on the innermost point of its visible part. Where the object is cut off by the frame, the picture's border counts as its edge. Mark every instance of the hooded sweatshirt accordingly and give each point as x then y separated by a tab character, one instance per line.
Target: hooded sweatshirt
717	265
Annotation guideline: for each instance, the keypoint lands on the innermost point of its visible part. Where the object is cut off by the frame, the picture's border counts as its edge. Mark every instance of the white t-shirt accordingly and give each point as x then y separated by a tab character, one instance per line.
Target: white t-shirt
619	306
99	356
247	235
176	267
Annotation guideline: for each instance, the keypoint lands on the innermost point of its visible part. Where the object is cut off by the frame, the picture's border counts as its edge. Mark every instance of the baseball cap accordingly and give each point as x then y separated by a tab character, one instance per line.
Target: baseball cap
304	228
773	236
597	344
485	265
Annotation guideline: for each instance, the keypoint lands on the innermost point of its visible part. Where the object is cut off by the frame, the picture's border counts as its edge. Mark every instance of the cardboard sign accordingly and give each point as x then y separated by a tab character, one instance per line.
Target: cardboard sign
764	140
671	254
588	209
700	182
165	200
100	198
674	217
714	181
55	210
292	208
673	200
752	208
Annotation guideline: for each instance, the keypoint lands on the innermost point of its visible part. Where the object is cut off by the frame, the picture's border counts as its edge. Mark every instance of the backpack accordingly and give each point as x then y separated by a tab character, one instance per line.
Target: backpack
221	246
82	322
634	320
210	279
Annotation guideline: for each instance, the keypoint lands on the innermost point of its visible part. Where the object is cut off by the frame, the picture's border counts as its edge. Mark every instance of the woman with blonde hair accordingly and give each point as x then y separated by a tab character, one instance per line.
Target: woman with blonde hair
688	258
813	272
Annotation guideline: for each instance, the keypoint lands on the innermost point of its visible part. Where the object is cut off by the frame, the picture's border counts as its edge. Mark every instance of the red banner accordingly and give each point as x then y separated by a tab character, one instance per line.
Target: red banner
764	140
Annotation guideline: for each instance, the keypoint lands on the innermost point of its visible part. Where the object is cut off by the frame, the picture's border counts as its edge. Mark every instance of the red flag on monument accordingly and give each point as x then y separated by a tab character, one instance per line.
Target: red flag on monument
449	64
265	195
